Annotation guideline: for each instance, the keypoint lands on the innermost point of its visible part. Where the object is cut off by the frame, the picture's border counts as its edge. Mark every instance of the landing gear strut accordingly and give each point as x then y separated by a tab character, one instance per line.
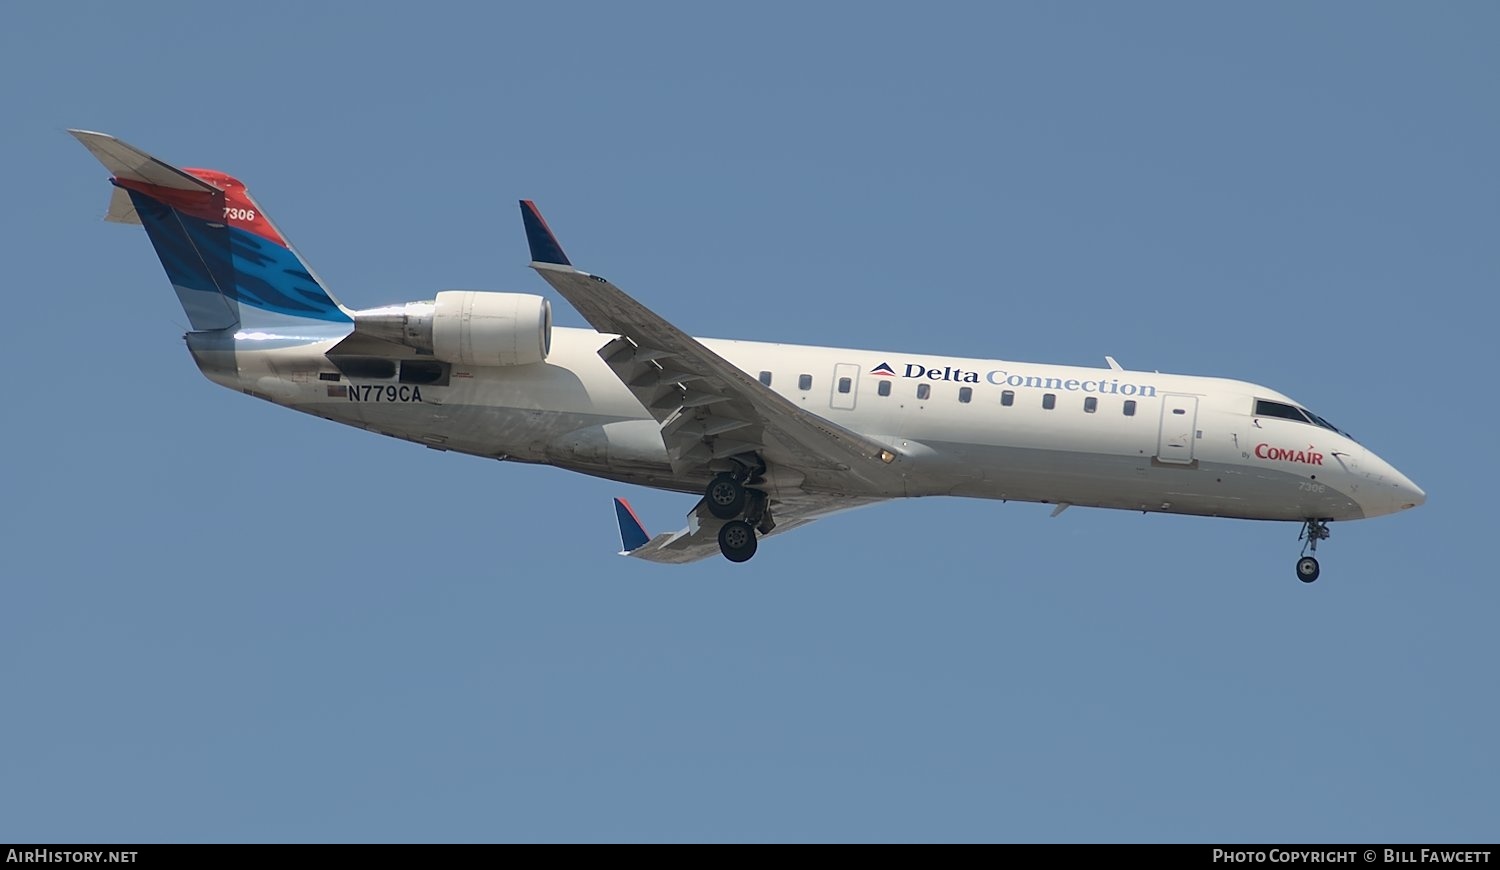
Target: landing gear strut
1313	531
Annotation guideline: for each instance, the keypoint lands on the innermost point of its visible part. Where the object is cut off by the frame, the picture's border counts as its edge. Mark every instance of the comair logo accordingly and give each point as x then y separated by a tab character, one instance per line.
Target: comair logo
883	370
1306	457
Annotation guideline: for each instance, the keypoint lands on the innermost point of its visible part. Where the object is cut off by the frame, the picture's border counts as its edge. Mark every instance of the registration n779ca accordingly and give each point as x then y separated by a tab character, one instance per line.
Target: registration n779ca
769	436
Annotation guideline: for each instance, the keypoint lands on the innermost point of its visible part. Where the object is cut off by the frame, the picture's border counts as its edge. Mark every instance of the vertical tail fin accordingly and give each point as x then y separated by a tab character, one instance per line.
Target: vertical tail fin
228	263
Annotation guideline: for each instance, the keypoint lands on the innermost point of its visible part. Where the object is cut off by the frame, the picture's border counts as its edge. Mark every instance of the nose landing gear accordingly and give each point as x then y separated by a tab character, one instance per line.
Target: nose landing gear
1313	531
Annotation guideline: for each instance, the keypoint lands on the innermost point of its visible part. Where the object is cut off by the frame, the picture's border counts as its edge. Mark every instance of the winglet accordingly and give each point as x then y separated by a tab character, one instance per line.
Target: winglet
544	246
632	531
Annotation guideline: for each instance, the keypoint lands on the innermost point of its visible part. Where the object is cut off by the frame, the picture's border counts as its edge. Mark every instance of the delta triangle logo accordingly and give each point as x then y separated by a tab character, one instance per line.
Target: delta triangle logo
883	370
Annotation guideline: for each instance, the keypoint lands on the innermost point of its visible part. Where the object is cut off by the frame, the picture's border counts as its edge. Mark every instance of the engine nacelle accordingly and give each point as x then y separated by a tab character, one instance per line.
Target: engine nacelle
491	329
468	327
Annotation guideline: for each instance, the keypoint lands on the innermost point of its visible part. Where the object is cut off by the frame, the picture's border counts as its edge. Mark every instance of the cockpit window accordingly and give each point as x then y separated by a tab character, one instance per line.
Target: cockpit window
1264	408
1267	408
1325	424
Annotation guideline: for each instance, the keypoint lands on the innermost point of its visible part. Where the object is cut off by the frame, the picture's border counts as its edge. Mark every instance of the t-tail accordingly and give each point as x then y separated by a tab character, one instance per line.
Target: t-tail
230	266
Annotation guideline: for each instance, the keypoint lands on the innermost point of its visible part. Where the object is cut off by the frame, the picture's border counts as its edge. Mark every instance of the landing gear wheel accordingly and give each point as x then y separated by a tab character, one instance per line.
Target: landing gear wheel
725	498
1313	531
737	541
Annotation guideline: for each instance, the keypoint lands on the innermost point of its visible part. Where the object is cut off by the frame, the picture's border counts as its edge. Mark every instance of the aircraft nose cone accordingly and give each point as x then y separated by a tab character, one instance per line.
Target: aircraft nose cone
1384	490
1409	494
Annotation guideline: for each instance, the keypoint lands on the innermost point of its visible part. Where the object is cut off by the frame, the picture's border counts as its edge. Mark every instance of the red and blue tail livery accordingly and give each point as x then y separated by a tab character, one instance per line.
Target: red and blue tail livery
229	264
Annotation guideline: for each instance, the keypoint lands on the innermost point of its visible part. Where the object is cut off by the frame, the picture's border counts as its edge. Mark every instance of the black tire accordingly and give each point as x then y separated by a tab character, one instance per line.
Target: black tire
725	497
737	541
1307	569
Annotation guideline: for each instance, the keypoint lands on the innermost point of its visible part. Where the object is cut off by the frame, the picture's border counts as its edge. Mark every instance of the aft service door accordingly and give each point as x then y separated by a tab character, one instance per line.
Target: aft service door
845	386
1179	428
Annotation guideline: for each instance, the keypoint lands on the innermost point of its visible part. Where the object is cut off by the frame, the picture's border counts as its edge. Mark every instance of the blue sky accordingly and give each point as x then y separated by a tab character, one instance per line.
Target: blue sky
224	621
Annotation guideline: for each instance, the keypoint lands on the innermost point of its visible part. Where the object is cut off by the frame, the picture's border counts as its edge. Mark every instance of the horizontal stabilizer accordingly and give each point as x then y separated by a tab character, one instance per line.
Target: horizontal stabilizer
632	533
132	164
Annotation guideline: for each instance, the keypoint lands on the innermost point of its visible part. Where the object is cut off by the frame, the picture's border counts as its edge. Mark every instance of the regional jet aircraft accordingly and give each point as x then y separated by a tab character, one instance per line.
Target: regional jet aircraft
770	436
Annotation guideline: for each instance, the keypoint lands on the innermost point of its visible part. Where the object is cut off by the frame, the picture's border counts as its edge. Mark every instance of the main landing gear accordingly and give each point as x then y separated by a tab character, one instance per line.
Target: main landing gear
737	541
726	497
747	511
1313	531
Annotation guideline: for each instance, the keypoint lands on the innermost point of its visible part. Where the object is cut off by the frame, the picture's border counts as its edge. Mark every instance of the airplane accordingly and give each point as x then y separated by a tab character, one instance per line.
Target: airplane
770	436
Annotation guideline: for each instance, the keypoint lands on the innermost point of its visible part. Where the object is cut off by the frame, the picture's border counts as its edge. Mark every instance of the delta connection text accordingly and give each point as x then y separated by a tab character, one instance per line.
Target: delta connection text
1003	378
1366	856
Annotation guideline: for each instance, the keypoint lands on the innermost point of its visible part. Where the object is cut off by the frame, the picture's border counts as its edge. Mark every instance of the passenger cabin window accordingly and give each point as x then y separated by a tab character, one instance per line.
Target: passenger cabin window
804	382
1090	404
1008	398
924	390
966	394
884	388
845	385
1130	407
765	378
1049	400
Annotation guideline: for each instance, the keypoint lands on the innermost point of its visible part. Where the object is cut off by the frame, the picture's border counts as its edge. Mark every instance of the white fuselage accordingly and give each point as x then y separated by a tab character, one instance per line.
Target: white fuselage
965	427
